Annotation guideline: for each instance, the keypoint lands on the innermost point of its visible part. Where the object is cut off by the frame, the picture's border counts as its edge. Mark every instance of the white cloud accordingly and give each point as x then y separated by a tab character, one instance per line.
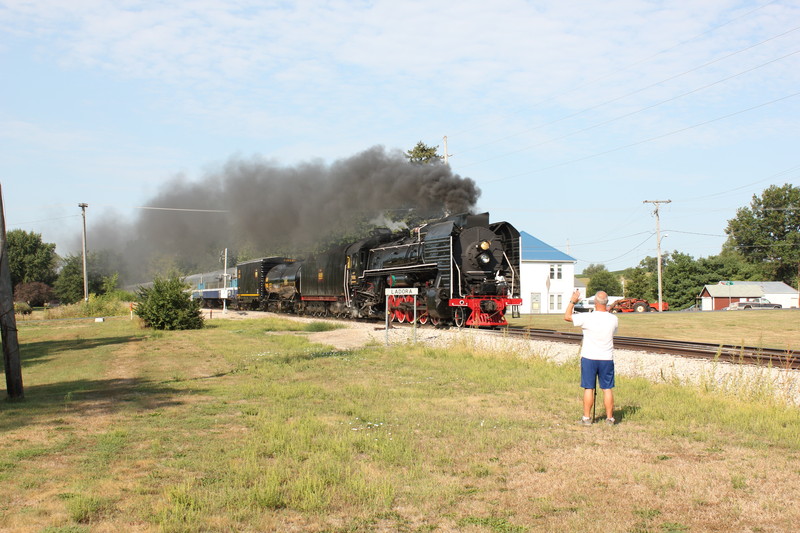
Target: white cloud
308	78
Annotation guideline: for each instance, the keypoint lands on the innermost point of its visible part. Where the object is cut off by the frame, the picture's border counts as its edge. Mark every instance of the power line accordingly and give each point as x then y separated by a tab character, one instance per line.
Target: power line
649	233
42	220
695	233
728	191
182	209
134	207
644	141
626	253
641	89
625	68
631	113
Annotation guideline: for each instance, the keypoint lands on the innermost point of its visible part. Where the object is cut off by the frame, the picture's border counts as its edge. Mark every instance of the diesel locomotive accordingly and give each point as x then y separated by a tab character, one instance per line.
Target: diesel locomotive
465	271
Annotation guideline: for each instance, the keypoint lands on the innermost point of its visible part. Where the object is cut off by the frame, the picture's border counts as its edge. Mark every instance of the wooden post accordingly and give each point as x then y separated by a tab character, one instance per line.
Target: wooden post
8	323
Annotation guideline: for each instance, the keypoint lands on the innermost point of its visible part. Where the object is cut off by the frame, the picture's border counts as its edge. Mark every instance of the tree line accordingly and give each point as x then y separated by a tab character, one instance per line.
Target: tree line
39	275
763	245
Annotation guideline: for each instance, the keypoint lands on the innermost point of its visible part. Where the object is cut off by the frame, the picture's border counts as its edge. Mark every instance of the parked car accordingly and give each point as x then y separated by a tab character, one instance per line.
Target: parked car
753	303
583	306
586	305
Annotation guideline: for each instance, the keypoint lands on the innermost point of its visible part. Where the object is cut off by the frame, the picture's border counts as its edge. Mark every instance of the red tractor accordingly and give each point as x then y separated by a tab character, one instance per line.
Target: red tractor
636	305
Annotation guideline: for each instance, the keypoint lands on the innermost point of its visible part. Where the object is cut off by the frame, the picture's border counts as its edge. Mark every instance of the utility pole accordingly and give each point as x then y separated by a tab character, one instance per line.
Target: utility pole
445	151
225	284
8	323
658	203
85	275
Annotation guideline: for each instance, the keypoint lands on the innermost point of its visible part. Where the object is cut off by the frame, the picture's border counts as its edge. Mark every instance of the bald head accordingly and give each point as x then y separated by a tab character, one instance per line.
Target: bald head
601	298
601	301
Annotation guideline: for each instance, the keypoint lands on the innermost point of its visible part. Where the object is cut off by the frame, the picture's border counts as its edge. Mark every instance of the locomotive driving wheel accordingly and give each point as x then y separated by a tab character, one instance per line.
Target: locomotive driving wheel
410	309
459	317
423	318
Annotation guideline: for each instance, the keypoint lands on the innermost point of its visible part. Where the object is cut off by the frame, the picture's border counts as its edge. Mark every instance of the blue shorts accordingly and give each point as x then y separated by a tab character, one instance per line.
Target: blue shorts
591	369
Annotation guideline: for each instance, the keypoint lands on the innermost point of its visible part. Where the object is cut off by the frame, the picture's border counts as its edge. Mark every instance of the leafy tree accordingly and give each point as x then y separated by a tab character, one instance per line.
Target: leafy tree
604	281
682	280
593	269
769	231
730	265
69	285
34	293
422	153
109	283
168	305
684	277
650	264
30	259
638	283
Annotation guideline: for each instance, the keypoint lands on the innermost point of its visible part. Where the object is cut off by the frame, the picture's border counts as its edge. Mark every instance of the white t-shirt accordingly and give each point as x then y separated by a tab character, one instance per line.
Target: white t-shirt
598	334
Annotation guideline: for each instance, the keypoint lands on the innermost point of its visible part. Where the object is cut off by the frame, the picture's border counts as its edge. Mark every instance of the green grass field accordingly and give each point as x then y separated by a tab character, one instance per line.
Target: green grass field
249	426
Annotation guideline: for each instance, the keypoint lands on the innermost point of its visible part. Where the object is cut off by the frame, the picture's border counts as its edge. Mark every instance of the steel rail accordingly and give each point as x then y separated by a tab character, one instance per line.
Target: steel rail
702	350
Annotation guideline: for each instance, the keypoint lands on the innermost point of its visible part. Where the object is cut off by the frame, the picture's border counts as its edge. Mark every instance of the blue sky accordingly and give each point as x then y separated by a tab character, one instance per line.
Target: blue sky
568	115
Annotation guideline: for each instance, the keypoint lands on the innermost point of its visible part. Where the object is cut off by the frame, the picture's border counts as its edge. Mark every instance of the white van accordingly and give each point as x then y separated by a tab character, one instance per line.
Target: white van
586	305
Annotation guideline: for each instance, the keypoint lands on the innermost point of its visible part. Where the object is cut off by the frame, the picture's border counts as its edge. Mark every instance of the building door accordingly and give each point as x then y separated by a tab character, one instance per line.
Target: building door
536	303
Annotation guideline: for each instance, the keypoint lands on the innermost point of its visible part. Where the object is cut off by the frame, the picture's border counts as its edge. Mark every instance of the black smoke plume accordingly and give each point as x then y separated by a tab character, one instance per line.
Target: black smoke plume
255	207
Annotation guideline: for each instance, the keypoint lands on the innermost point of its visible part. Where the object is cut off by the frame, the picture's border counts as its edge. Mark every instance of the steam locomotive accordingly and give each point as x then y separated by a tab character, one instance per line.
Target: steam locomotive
464	269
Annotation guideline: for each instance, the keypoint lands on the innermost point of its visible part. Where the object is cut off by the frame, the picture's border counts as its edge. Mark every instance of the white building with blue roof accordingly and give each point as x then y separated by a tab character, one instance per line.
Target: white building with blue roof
547	277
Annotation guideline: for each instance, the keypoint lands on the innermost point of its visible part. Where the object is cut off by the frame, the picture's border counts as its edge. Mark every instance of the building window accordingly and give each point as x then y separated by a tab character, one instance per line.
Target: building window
556	302
552	302
555	271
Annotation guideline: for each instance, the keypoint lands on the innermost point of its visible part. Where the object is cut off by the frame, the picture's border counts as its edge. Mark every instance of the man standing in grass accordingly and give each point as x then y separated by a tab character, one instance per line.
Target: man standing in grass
597	353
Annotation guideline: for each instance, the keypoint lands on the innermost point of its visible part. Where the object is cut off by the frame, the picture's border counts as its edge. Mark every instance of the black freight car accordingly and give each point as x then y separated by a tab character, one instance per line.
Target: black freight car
252	281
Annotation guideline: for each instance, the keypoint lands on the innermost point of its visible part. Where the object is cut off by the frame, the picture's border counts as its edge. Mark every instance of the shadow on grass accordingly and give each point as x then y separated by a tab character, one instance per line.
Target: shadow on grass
86	398
621	414
34	353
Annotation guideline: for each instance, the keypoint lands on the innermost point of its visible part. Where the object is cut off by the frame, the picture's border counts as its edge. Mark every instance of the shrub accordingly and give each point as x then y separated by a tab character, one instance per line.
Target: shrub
35	293
21	308
123	296
105	305
168	305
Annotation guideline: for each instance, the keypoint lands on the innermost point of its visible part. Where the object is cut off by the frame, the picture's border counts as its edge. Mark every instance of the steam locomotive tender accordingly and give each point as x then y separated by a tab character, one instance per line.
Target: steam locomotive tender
466	271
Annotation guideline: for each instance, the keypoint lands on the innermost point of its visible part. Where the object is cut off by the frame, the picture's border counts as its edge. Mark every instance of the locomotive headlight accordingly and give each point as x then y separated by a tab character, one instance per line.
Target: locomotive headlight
484	258
484	245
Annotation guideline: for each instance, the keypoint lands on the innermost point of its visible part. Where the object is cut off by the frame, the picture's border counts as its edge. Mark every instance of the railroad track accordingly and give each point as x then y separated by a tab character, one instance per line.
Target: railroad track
700	350
775	358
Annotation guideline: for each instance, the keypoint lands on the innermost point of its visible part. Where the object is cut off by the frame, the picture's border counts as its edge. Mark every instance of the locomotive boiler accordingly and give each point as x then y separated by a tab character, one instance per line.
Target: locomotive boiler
465	270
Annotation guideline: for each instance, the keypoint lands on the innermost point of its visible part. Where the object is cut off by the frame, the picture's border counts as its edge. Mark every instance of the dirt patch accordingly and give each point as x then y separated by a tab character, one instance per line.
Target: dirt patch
344	339
351	337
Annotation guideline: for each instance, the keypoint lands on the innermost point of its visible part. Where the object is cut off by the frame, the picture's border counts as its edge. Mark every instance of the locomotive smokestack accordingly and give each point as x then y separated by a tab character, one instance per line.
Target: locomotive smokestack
270	208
